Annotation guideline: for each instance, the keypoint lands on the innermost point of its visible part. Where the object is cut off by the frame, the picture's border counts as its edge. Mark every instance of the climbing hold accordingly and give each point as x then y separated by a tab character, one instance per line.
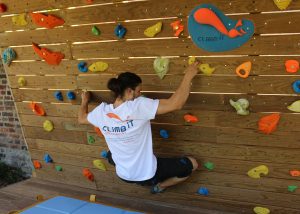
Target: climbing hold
240	106
47	21
206	69
120	31
88	174
257	171
89	1
98	67
296	86
268	123
37	109
8	56
3	8
177	27
96	31
82	67
261	210
203	191
161	66
291	66
190	118
52	58
40	198
98	131
295	173
246	67
91	139
192	60
19	20
48	126
295	106
71	95
104	154
99	165
92	198
292	188
153	30
37	164
21	81
282	4
164	133
58	95
58	168
209	165
211	30
48	159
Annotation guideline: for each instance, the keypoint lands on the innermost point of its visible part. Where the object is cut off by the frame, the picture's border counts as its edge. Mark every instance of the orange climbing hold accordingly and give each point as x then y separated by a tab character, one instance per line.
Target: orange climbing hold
177	27
291	66
47	21
88	174
37	109
246	67
37	164
295	173
52	58
98	131
190	118
268	123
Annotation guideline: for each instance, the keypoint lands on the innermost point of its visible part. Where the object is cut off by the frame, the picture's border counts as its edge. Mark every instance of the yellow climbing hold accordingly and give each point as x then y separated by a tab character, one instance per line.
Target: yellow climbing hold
98	66
48	126
153	30
261	210
282	4
19	20
192	60
295	106
21	81
257	171
99	164
206	69
92	198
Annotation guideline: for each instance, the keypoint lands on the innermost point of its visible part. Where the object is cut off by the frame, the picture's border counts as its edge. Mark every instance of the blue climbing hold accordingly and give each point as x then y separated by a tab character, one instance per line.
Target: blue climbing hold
104	154
203	191
120	31
47	158
71	95
82	67
58	95
8	56
164	133
296	86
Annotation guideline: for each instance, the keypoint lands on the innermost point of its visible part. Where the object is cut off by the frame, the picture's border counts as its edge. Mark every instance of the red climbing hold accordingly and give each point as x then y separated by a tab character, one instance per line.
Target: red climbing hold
3	8
37	109
37	164
52	58
47	21
88	174
295	173
268	123
190	118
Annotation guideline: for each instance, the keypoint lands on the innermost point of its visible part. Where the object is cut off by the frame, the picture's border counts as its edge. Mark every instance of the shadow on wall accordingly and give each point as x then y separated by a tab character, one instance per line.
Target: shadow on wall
13	150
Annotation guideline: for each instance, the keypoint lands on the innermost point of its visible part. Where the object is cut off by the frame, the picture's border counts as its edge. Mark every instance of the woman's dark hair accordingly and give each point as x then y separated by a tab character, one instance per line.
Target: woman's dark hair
125	80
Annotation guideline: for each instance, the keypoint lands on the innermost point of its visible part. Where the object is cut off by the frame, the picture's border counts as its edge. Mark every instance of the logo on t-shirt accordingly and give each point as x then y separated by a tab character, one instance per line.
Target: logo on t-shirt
126	124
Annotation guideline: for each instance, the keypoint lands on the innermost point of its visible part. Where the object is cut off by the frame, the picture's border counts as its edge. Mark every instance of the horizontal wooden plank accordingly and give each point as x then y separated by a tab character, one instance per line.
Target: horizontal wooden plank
222	165
261	65
210	102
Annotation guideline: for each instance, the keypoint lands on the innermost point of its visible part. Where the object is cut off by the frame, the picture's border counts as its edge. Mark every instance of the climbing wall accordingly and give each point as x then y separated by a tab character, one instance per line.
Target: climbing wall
232	142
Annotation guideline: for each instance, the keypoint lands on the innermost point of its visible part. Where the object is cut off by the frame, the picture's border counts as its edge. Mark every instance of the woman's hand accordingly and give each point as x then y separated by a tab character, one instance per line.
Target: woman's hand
192	70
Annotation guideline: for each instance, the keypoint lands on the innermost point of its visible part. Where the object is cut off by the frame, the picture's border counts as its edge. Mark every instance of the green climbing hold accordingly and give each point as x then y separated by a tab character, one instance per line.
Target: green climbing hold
58	168
209	165
91	139
292	188
96	31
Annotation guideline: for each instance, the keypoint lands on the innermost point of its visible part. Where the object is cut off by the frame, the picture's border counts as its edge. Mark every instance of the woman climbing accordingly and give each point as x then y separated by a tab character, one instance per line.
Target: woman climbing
126	127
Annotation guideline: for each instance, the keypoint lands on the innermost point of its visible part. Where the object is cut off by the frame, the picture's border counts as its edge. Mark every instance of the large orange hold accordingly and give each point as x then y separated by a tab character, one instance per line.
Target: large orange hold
268	123
190	118
295	173
52	58
291	66
47	21
37	109
88	174
246	67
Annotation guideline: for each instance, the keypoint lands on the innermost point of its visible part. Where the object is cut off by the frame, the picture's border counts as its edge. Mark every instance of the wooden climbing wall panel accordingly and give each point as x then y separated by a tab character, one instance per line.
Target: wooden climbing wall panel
231	142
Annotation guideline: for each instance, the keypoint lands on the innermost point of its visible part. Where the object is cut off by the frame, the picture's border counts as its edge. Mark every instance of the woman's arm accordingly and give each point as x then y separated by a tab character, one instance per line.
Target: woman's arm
83	110
178	99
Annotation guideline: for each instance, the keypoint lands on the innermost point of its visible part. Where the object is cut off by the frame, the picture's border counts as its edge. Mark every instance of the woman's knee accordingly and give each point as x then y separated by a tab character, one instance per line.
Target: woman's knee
194	162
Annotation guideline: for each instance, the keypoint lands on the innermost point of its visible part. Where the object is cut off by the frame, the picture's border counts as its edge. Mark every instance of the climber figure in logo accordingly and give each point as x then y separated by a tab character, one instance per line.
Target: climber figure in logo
125	124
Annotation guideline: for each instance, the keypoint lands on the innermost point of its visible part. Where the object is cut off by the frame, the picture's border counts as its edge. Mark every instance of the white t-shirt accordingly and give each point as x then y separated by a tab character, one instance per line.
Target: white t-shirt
127	132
